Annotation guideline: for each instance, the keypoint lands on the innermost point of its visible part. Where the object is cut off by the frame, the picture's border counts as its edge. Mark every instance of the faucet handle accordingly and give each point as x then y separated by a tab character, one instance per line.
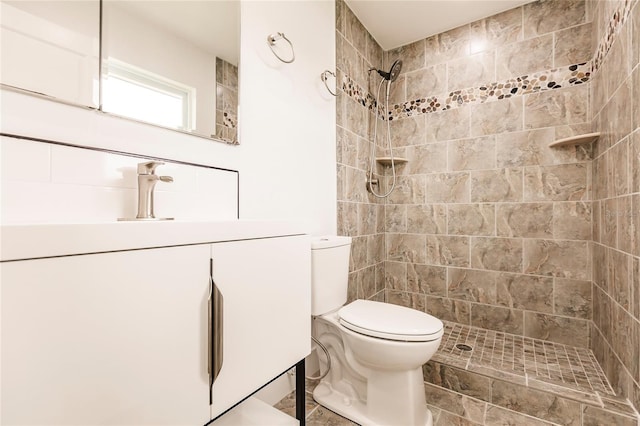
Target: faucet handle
149	167
168	179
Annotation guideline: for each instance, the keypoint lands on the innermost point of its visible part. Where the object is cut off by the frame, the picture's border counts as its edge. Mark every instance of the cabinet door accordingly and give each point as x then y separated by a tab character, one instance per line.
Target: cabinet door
106	339
266	291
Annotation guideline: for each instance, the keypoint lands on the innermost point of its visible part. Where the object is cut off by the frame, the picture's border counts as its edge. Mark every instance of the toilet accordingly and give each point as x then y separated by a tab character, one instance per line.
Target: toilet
377	349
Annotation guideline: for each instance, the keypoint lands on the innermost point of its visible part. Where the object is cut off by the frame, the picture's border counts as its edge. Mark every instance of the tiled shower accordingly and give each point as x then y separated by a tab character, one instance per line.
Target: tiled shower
489	228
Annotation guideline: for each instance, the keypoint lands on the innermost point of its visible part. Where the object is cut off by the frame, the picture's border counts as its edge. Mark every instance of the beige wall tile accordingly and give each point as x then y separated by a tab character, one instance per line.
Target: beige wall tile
556	107
406	248
427	279
412	56
470	411
525	292
395	218
457	380
409	131
408	189
573	45
427	219
635	36
496	30
428	158
531	220
497	117
634	158
572	298
617	171
354	31
358	258
557	258
367	218
501	185
472	285
409	300
397	90
356	118
471	219
568	182
347	218
471	71
617	114
619	269
425	82
395	276
496	254
447	250
497	415
609	228
545	16
451	124
568	331
374	53
592	416
448	45
449	309
472	154
497	318
448	188
524	57
617	64
572	220
626	227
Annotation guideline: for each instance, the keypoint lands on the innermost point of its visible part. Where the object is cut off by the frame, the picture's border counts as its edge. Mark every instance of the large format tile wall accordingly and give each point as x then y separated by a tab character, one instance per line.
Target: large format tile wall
615	106
488	226
360	215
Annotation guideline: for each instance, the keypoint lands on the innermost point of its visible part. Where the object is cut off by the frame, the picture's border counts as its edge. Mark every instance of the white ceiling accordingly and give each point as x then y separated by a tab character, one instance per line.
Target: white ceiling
394	23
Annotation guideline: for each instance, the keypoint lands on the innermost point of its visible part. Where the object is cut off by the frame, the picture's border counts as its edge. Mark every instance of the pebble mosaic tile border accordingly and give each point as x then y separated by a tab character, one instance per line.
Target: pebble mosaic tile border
523	85
545	361
538	82
616	23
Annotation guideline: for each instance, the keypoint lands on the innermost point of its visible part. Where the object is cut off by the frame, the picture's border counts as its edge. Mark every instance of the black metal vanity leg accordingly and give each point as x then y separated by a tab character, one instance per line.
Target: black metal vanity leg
300	393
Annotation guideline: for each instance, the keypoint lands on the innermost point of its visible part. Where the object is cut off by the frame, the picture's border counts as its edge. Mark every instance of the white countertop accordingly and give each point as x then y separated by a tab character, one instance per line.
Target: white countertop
47	240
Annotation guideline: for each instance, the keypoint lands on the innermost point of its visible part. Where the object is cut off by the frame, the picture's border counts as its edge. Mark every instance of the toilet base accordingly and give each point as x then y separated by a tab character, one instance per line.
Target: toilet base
351	408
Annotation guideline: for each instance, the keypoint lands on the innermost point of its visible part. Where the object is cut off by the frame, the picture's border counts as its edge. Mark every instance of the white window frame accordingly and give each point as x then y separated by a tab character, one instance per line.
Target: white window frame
149	80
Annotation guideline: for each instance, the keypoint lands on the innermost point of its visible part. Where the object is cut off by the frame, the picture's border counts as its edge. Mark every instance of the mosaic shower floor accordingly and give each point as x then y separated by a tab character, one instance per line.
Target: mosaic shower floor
566	371
531	359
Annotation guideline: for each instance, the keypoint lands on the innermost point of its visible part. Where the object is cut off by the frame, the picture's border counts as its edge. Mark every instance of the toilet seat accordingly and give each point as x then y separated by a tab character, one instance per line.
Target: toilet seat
391	322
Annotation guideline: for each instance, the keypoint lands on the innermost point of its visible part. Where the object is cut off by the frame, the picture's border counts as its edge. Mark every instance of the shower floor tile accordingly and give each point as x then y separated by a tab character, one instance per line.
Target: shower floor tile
538	363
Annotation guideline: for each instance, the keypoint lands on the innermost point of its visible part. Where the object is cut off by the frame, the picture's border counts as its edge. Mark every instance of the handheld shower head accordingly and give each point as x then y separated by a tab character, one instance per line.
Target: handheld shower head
393	73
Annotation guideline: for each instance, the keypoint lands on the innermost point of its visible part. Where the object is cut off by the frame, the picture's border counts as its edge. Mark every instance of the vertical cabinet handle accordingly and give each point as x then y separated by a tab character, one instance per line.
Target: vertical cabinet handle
218	335
215	334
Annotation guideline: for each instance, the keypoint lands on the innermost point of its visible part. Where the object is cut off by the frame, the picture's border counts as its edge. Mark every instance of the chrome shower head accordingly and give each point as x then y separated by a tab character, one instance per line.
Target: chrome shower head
393	73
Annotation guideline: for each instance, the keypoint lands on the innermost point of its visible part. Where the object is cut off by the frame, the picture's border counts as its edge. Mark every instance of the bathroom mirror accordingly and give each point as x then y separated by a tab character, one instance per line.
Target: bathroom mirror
172	64
51	48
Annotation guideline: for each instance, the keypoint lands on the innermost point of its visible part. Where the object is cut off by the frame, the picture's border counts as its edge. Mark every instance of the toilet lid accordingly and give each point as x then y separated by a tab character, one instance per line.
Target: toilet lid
390	321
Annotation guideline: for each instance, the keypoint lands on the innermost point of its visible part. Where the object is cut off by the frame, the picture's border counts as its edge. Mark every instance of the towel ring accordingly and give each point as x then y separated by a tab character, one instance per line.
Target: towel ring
271	41
324	78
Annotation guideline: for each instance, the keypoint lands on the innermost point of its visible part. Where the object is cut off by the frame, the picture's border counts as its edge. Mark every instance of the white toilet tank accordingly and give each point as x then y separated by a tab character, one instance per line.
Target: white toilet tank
329	273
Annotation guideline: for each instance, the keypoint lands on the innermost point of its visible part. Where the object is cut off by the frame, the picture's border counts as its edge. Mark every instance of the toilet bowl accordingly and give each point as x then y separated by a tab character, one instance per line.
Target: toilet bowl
377	349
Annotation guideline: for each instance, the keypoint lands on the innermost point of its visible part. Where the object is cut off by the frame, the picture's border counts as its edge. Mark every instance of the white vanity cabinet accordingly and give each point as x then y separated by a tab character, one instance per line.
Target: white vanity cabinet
123	337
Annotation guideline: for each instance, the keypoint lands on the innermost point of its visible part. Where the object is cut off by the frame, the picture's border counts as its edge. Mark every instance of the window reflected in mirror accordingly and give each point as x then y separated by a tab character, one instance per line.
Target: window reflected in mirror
173	64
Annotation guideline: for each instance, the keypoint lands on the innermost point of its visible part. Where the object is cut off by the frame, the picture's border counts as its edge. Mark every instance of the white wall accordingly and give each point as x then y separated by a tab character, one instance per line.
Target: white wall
287	116
286	156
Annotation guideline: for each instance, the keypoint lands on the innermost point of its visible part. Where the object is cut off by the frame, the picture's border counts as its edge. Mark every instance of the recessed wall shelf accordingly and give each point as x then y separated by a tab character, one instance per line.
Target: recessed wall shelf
576	140
386	161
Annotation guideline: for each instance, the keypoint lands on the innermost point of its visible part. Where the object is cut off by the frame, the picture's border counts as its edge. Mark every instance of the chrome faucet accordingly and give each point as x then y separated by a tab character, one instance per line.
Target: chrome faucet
147	180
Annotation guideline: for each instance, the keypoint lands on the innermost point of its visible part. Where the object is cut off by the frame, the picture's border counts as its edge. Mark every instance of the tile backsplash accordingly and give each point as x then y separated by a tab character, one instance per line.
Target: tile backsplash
52	183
